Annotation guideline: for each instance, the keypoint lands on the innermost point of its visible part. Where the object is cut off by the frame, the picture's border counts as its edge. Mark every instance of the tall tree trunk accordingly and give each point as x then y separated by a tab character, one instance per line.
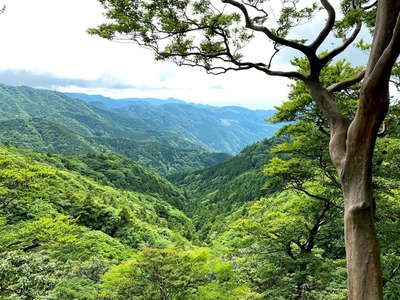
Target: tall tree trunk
362	246
351	149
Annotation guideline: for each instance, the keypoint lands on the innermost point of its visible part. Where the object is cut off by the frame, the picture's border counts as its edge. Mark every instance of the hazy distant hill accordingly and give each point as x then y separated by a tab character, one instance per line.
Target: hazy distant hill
224	129
99	99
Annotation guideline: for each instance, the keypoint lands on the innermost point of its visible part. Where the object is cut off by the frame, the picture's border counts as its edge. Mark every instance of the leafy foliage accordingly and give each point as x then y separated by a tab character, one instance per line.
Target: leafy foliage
220	190
174	274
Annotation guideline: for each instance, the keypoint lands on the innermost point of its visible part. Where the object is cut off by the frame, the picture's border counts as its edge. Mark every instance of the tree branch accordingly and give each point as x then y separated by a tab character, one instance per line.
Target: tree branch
312	195
337	121
324	60
336	87
383	66
317	225
250	24
369	6
328	26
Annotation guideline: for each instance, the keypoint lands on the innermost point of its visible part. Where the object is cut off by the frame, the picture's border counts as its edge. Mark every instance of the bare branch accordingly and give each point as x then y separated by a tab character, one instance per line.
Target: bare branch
328	26
342	47
317	225
250	24
336	87
370	5
311	195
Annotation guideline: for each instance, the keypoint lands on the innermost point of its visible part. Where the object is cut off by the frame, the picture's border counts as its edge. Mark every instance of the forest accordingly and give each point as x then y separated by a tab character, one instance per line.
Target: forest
264	224
153	201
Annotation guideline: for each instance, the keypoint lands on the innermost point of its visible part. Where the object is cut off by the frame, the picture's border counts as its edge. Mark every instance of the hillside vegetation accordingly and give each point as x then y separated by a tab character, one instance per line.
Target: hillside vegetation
226	188
48	136
82	217
72	227
82	118
222	129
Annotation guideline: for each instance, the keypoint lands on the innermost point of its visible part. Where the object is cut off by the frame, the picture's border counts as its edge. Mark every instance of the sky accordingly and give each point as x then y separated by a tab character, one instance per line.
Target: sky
44	44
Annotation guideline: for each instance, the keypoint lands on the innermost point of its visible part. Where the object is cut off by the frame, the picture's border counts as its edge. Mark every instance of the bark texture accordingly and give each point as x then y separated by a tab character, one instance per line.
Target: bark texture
352	150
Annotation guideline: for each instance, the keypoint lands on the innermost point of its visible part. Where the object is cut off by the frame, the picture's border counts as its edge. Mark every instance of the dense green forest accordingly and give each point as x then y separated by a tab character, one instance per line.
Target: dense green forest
182	126
160	199
82	118
265	224
100	226
81	222
48	136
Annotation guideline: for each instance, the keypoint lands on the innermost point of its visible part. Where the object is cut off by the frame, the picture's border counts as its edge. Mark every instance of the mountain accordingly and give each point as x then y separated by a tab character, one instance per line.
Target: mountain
102	192
118	172
165	159
108	102
82	118
47	136
222	129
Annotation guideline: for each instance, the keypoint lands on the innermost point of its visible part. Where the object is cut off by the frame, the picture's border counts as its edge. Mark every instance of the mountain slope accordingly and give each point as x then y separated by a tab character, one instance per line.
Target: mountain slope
164	159
223	129
223	190
43	135
35	185
116	171
108	102
47	136
82	118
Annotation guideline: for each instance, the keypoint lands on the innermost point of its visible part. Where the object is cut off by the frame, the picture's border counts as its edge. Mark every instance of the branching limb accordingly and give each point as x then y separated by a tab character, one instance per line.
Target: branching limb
328	26
369	6
324	60
250	25
336	87
319	221
383	66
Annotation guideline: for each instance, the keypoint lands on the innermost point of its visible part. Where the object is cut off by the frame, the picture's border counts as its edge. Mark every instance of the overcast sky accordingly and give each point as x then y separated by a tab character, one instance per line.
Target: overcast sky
44	44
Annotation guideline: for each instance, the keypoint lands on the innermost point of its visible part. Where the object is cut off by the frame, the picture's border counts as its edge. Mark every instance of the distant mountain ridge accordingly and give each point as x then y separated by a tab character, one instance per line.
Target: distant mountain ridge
109	102
84	119
170	138
223	129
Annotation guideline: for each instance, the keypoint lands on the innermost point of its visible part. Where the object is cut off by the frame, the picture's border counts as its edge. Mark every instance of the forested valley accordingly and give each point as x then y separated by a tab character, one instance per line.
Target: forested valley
162	199
97	204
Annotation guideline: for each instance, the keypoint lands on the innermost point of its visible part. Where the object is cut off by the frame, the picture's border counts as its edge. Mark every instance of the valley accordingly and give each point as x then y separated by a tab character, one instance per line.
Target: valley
117	201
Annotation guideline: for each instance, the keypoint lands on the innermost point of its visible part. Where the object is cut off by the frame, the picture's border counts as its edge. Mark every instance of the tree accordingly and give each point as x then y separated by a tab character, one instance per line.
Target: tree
174	274
212	34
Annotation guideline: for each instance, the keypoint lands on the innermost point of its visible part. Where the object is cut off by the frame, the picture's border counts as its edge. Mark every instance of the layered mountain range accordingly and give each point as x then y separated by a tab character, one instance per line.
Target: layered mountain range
168	136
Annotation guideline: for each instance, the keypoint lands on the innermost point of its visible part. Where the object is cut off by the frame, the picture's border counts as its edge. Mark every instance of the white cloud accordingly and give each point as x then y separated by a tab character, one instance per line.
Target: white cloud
49	36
